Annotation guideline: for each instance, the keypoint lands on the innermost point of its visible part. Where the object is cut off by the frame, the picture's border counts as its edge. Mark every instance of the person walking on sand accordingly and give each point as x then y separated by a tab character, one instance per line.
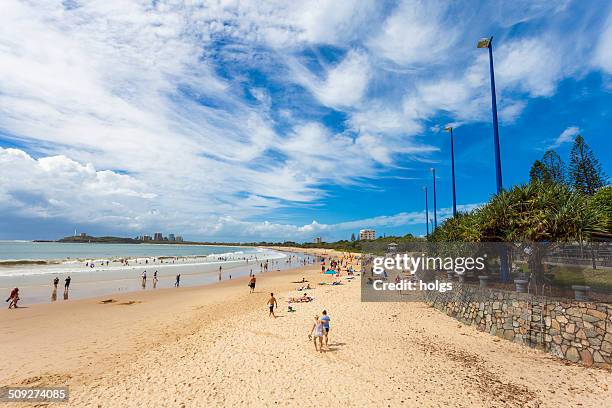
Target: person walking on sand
178	281
252	283
220	269
13	298
316	333
144	279
55	282
154	279
272	304
325	319
67	283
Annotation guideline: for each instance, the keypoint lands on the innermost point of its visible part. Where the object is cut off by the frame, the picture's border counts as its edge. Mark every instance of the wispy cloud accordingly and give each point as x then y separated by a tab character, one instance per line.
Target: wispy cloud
567	136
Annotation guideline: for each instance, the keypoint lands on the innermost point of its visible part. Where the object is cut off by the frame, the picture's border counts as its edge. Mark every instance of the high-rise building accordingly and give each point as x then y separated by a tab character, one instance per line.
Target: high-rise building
178	238
171	237
367	234
146	237
318	240
158	236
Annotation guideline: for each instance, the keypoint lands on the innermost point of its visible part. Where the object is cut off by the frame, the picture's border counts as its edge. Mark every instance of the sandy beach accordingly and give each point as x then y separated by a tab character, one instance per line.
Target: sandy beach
215	346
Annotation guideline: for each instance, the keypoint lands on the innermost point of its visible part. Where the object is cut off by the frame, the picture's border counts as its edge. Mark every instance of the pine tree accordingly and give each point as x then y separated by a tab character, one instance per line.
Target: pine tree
555	168
585	172
538	172
353	237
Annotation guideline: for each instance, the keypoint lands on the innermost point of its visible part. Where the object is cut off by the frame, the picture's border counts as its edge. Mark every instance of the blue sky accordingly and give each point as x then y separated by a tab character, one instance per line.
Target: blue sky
247	121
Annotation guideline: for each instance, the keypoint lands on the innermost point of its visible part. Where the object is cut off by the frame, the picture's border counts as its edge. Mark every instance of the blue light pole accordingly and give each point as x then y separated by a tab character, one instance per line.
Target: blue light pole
488	43
503	256
450	129
426	211
435	209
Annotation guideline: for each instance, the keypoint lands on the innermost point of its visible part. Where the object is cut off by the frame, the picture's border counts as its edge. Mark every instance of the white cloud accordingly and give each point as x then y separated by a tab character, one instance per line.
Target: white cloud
229	226
60	187
532	65
343	85
567	136
416	33
603	51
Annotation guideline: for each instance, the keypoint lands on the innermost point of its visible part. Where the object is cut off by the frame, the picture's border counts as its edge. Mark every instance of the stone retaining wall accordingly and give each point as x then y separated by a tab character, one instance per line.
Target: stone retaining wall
573	330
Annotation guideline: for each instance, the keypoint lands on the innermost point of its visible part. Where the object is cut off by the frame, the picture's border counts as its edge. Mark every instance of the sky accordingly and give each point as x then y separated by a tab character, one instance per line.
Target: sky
283	120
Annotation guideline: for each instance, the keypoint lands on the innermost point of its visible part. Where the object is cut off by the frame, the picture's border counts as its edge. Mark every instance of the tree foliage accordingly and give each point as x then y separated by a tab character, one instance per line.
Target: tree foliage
586	174
531	212
602	203
554	167
538	172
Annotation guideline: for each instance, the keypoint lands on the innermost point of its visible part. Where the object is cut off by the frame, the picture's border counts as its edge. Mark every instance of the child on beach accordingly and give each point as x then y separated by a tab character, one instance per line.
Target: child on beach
13	298
316	332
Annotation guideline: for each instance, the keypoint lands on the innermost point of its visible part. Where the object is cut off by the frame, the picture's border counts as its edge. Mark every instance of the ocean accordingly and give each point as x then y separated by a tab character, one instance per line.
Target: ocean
26	250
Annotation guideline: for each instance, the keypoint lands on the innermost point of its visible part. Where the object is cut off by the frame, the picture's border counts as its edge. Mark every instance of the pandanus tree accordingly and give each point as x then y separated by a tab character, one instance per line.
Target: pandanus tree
529	214
601	202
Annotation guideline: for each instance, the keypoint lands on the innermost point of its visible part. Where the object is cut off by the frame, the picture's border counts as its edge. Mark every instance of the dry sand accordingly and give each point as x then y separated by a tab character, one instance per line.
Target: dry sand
216	346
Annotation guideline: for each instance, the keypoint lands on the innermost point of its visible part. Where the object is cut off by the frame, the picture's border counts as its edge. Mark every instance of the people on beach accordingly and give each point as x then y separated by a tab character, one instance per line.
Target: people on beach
55	282
252	283
272	304
325	319
13	298
316	333
178	281
144	279
67	283
154	279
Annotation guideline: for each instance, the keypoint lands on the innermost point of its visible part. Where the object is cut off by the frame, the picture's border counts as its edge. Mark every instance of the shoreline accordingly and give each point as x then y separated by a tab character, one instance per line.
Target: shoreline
86	283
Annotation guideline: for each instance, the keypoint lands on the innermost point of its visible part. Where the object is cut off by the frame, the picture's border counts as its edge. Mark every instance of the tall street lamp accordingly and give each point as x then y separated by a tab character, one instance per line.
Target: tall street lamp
450	129
426	211
503	256
435	209
488	43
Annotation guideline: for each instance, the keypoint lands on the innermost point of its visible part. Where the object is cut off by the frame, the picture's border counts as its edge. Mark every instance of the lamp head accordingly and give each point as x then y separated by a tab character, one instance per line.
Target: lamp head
448	129
484	42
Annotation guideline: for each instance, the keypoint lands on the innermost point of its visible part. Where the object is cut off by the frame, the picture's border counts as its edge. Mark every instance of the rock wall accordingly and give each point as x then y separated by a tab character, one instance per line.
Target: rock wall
573	330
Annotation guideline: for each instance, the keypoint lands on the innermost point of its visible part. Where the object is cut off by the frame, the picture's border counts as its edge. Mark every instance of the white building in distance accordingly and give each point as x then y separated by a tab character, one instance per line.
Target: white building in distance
367	234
